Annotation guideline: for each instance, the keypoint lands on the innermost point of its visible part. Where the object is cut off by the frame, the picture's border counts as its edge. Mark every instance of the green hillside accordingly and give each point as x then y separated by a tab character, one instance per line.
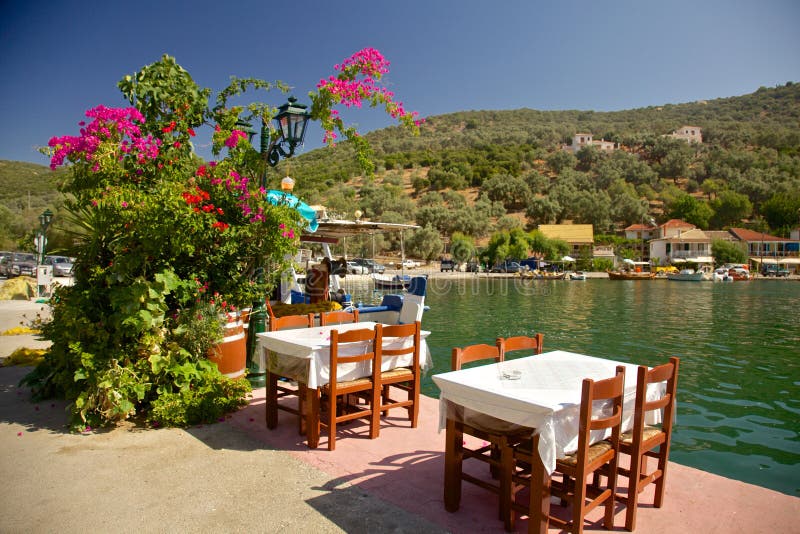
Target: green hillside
478	172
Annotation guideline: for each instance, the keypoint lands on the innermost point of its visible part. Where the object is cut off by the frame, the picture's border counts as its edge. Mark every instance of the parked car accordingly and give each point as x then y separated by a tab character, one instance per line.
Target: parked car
473	267
772	269
354	268
507	267
447	265
371	265
18	264
407	264
62	265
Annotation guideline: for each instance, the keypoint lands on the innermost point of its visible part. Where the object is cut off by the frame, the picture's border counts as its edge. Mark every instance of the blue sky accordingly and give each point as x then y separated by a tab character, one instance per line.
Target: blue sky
59	58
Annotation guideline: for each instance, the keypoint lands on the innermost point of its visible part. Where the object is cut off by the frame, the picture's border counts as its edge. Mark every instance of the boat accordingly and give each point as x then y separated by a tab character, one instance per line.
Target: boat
577	275
687	275
630	275
549	275
391	282
633	270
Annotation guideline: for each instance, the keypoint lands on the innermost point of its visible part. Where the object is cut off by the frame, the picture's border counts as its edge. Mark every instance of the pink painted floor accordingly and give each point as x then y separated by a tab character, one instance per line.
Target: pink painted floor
405	467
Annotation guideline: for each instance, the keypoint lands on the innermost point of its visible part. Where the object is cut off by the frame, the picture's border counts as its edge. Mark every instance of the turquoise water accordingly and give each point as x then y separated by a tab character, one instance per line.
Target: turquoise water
739	344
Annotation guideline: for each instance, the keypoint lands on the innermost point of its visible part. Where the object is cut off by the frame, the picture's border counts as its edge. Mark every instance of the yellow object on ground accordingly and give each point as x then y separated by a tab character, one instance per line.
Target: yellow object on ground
20	288
19	331
24	356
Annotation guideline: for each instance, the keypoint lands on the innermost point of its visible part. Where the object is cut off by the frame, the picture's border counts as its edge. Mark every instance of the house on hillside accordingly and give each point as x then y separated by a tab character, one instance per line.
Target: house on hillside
673	227
692	245
690	134
576	235
641	231
581	140
769	249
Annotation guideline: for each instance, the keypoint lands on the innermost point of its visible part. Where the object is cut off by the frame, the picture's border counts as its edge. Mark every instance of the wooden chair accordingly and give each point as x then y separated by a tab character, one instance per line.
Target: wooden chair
498	442
577	467
641	442
276	391
338	317
521	343
328	395
403	378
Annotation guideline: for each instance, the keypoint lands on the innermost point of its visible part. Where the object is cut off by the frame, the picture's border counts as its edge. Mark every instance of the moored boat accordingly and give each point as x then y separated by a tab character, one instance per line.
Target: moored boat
687	275
391	282
630	275
577	275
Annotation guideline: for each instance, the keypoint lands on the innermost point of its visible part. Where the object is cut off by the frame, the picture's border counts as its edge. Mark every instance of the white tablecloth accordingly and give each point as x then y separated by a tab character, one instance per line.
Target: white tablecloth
541	392
304	354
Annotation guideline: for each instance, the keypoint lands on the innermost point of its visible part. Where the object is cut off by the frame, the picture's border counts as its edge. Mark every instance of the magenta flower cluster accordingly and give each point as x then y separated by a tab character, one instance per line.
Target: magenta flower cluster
233	140
120	124
358	81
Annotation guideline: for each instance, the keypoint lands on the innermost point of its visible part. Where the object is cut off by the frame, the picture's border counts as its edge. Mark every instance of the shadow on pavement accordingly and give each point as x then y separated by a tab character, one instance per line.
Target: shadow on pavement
17	407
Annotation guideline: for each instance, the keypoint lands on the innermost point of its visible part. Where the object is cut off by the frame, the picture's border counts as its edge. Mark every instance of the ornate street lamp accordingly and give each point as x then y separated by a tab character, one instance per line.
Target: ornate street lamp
291	120
44	220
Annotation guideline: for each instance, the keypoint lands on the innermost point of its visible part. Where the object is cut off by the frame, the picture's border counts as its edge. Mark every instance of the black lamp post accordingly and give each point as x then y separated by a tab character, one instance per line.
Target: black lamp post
291	121
44	220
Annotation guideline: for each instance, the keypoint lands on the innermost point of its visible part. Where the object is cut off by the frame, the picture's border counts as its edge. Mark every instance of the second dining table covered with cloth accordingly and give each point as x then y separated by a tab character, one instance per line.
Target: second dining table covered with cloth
541	392
304	354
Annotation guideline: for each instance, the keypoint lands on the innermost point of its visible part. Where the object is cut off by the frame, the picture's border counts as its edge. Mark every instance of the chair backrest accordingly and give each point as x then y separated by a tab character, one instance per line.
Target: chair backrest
668	373
474	353
291	321
338	317
403	330
371	351
611	389
526	343
414	301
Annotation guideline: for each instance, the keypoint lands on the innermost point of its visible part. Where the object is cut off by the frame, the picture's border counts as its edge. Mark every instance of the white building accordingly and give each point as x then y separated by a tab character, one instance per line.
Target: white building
690	134
581	140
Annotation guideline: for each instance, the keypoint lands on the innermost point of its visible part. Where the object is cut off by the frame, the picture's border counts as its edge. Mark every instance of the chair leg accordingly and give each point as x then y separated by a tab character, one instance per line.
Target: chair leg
332	403
414	397
375	413
661	481
578	506
611	498
631	503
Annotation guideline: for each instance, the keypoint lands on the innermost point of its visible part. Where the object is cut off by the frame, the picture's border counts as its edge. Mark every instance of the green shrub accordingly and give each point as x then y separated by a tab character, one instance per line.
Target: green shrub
214	396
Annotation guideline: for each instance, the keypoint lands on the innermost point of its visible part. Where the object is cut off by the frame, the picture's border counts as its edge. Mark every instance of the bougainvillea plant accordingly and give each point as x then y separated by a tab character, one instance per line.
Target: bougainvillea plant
168	242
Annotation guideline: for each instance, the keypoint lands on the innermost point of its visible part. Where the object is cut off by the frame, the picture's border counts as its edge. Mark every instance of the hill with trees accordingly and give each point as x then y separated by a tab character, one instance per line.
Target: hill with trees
477	173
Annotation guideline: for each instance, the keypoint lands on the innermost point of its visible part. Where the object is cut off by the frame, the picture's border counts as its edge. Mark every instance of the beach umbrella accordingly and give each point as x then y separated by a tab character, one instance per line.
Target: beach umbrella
568	259
628	260
279	198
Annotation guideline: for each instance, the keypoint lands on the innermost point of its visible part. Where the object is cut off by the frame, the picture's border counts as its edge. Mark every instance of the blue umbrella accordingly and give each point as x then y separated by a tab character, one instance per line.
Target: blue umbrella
279	198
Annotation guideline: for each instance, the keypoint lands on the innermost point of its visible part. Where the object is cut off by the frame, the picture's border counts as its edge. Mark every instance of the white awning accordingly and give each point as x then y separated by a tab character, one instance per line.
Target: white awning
779	261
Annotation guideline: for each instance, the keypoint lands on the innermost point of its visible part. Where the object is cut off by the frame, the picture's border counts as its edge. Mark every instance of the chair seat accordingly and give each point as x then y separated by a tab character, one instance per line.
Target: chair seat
594	452
365	382
649	432
398	374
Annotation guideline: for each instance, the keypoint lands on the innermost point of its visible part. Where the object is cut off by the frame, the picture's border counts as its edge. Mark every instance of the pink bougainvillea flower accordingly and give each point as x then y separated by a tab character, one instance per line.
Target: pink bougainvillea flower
233	140
190	132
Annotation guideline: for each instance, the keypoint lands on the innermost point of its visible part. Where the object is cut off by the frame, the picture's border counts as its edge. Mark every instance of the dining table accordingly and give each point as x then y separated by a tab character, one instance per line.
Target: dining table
541	393
303	355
